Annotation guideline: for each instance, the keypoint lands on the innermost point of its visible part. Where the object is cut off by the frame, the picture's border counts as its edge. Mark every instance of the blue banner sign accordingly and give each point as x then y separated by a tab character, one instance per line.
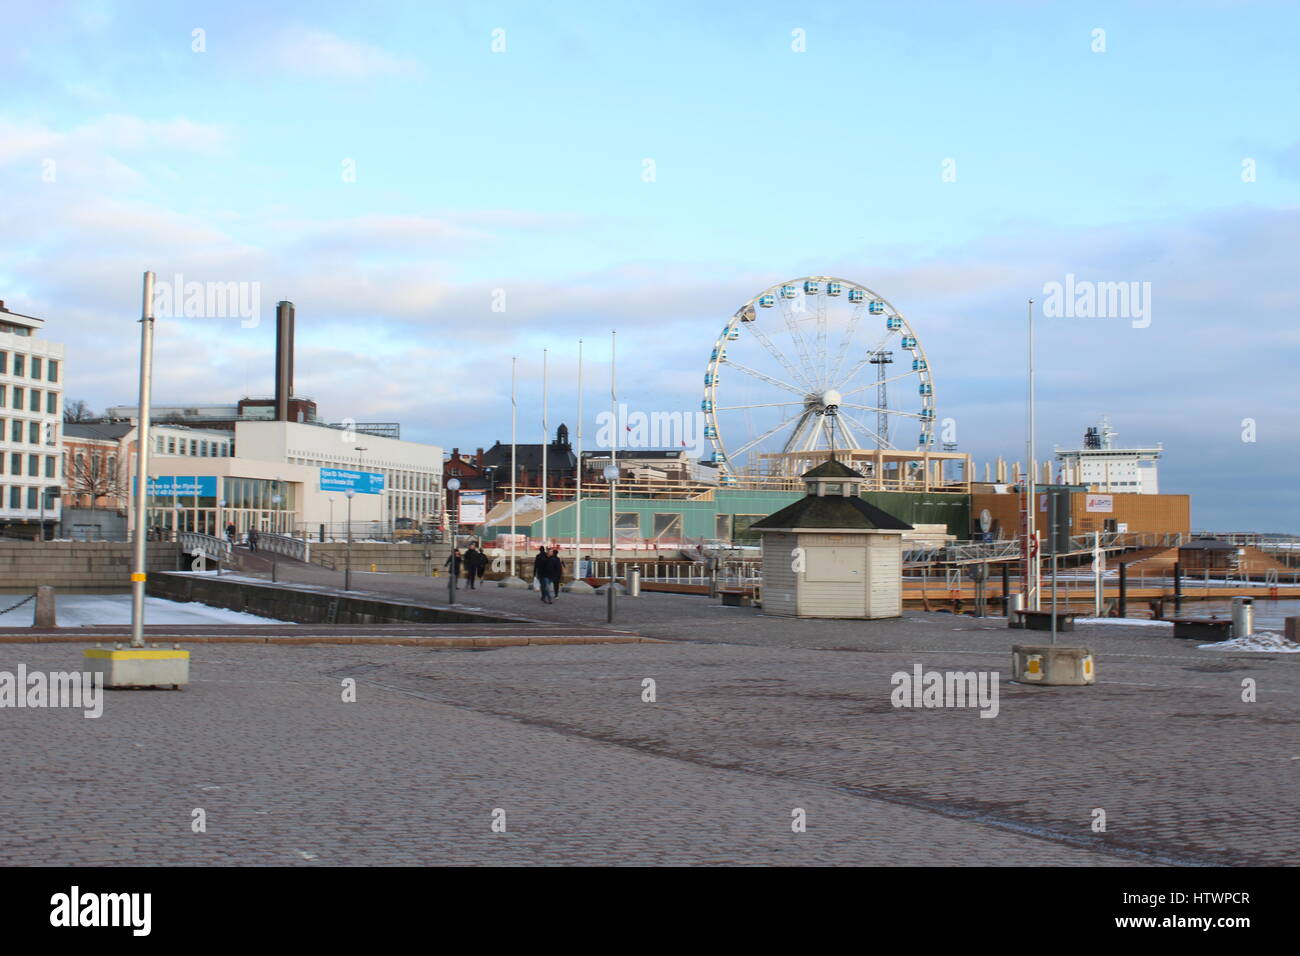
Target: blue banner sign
184	486
362	482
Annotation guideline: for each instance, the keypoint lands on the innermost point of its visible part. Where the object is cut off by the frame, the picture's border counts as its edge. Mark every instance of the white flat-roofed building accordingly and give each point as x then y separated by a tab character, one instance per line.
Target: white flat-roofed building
1106	468
412	471
31	412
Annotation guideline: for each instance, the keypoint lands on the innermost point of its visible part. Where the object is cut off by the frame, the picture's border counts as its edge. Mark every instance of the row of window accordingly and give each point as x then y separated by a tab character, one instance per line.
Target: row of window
46	368
36	433
198	447
29	399
31	494
17	460
394	479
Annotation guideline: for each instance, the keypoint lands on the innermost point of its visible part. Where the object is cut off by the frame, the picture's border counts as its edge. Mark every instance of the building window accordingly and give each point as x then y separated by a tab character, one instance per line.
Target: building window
4	395
4	363
171	446
51	403
15	497
34	466
16	430
49	466
194	447
34	433
158	445
18	398
53	370
34	403
31	499
36	367
20	364
15	464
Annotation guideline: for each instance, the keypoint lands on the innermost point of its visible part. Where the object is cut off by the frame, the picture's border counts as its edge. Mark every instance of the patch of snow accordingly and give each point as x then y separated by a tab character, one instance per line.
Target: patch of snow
1124	621
1269	642
88	610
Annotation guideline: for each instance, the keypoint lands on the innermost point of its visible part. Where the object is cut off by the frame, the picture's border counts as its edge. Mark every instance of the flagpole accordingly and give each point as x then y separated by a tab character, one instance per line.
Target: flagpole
577	534
514	470
546	435
611	476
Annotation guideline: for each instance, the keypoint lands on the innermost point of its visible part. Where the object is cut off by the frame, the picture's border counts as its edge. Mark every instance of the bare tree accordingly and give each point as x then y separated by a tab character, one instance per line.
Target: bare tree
75	410
96	476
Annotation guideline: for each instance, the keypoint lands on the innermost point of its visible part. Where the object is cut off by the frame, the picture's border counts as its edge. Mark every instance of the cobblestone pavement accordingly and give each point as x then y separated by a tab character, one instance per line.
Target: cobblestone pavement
753	718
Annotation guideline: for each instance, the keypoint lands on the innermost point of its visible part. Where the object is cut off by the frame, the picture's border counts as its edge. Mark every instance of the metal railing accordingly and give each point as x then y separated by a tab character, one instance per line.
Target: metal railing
284	545
218	549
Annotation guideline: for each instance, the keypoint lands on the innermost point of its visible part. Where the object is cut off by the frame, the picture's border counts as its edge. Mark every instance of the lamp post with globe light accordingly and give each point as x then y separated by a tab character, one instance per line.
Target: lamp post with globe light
347	567
453	520
611	476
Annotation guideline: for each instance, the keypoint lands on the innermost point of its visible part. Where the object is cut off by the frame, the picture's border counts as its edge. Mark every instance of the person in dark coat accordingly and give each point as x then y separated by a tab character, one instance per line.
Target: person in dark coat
554	572
453	561
230	533
252	539
475	565
540	575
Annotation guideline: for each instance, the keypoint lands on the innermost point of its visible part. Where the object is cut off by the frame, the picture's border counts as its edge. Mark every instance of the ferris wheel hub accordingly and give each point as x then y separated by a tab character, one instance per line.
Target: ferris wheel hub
831	398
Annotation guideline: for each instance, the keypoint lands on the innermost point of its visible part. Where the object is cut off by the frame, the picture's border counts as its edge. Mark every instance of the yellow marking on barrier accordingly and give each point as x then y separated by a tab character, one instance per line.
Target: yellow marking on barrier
136	654
137	575
1033	667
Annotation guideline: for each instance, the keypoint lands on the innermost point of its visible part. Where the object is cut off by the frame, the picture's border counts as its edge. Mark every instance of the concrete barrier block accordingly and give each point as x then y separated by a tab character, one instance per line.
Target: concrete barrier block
45	615
1053	664
140	667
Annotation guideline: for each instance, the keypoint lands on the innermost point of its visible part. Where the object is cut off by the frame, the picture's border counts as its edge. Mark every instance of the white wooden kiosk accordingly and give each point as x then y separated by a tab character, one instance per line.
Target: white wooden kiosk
831	554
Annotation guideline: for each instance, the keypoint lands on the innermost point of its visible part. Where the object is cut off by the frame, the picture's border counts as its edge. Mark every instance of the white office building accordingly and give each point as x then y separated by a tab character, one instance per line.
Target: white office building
1107	468
31	410
290	478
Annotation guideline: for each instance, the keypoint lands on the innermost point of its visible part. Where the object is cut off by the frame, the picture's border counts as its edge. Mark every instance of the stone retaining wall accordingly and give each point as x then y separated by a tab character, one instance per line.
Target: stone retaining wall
86	565
286	603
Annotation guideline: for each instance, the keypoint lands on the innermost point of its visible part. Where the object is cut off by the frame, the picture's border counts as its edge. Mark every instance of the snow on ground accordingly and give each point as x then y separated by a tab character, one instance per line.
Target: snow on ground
1126	621
83	610
1266	641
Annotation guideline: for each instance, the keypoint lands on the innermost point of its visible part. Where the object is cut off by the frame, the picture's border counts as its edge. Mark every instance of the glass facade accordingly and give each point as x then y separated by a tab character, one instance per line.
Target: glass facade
262	503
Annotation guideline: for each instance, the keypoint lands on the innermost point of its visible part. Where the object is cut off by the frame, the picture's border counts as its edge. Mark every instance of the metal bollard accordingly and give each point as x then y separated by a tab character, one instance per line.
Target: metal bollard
634	582
1243	616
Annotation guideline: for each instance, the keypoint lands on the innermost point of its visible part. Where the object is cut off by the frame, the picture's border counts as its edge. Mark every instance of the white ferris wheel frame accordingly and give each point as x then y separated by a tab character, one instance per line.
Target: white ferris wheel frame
802	370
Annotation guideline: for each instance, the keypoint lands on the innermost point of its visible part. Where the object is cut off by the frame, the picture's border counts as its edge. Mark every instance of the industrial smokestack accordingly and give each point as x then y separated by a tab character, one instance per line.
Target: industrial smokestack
283	360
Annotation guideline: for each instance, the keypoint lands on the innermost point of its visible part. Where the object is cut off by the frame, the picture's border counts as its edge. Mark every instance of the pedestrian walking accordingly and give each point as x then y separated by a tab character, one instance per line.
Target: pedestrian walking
475	565
230	533
554	572
453	562
540	577
252	539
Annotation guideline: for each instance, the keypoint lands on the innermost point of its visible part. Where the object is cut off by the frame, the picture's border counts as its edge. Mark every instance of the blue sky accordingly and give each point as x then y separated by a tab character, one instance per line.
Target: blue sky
522	170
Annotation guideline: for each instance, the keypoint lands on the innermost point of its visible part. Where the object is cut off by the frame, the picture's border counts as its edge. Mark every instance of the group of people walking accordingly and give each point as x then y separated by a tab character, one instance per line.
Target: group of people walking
548	569
474	562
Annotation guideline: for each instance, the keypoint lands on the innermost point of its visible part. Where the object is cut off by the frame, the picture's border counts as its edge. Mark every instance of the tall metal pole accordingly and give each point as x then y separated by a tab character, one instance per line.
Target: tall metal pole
613	471
139	558
514	470
1031	557
577	517
546	435
347	567
613	570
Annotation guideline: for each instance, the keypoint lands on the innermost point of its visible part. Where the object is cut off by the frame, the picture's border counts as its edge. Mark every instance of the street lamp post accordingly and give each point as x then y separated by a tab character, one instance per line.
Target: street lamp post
452	522
51	491
611	476
347	567
275	501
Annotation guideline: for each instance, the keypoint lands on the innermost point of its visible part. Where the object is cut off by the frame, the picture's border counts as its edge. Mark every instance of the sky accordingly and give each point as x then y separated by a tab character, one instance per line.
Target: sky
441	187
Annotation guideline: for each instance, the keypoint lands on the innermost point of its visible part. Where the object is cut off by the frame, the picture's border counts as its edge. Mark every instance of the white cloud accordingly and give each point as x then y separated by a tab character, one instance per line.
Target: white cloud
319	53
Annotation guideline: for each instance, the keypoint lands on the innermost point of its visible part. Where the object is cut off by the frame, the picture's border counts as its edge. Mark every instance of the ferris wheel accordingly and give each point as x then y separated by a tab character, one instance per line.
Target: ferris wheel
809	365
